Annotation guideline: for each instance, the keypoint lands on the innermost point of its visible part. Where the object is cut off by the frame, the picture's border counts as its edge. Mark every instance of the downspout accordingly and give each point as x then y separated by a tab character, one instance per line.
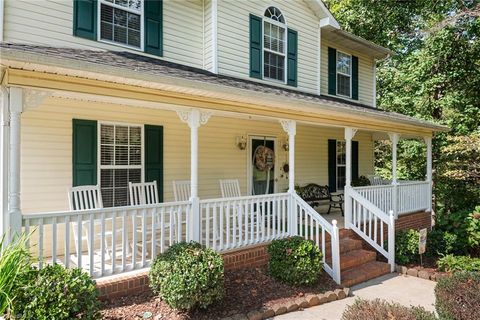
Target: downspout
214	37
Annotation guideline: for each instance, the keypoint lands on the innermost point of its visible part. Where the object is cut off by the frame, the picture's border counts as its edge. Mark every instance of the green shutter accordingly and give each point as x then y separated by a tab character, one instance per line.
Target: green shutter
332	71
255	47
154	27
354	77
292	44
84	152
154	156
332	165
354	160
85	19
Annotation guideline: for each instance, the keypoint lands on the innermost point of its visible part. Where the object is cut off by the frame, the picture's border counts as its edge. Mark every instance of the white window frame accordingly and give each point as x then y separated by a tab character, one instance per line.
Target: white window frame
106	167
337	165
281	25
343	74
142	24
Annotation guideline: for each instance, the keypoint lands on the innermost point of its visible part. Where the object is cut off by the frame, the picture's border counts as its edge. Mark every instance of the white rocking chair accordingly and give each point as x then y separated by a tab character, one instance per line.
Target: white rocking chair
181	190
230	188
89	198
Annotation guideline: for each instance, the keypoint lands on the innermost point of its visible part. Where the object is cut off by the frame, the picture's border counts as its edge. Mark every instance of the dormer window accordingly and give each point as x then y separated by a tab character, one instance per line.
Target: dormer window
274	44
344	74
121	22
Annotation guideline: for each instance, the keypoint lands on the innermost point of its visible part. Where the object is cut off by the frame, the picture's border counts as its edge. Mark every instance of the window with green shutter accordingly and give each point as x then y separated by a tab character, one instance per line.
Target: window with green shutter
337	163
135	24
342	74
273	48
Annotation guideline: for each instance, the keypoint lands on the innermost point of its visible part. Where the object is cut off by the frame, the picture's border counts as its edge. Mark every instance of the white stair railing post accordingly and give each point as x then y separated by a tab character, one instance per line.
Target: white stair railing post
391	241
292	215
336	252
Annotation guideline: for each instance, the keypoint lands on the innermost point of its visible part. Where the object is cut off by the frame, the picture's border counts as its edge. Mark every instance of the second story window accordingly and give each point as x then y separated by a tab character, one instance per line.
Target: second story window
344	74
121	22
274	44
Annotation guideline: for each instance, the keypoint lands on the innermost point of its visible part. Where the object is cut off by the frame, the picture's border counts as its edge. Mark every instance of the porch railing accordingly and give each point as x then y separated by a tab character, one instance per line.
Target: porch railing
107	241
406	197
116	240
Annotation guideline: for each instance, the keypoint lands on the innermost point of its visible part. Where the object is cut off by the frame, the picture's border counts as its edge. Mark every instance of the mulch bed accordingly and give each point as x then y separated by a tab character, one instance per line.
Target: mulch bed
246	290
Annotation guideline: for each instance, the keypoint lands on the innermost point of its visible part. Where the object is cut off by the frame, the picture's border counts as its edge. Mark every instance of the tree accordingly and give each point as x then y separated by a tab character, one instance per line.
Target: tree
435	75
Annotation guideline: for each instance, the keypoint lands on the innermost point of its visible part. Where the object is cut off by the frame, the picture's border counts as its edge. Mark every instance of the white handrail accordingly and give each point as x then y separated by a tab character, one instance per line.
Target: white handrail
314	227
371	223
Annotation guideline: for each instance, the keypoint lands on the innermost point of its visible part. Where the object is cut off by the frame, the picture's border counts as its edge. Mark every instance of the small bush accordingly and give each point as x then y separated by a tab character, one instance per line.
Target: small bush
380	309
187	276
360	182
295	261
458	296
55	292
451	263
406	247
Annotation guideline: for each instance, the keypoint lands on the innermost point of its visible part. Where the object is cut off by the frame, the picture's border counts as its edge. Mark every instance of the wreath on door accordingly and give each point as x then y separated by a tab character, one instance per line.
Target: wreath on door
264	158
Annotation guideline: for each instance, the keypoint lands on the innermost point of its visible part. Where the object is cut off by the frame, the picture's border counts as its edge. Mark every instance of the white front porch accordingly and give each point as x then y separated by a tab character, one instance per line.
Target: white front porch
122	239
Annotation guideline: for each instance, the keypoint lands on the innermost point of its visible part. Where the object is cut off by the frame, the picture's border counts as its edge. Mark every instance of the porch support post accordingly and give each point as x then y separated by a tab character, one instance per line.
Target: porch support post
194	118
349	134
290	127
394	137
4	145
428	142
15	213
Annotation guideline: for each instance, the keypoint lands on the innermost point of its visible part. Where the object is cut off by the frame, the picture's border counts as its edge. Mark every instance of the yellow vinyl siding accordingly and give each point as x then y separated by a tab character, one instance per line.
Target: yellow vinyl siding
50	23
46	167
233	38
365	72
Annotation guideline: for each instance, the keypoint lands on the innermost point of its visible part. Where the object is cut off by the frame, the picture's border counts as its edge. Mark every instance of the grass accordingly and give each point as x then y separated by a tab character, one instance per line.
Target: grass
14	260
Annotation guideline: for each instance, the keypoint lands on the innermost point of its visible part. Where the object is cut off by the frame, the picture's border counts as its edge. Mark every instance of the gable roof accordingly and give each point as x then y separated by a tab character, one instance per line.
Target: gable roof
154	70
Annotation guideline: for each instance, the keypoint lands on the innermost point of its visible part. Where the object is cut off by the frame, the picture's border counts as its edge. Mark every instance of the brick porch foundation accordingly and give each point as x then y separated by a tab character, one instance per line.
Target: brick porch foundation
137	282
415	220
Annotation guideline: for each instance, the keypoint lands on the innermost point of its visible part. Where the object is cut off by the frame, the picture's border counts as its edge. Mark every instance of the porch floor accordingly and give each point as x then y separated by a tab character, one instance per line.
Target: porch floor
335	214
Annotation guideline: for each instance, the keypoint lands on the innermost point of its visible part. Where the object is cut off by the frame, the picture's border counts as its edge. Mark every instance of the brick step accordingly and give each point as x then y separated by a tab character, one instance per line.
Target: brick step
364	272
346	245
354	258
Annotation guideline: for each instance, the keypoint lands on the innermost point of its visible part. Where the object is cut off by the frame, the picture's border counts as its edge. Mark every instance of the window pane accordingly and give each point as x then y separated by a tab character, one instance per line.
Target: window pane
340	177
343	85
135	155
106	178
121	135
121	155
135	135
343	63
119	25
106	155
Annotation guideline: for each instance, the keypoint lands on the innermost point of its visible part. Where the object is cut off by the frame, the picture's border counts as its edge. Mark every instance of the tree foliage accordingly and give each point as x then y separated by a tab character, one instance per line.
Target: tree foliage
435	76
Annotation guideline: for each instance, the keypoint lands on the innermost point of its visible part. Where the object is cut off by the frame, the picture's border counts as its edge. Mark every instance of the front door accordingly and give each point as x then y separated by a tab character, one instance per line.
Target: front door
262	165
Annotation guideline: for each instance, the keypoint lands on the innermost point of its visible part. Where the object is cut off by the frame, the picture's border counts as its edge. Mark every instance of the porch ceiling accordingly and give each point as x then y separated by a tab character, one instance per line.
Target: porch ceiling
153	80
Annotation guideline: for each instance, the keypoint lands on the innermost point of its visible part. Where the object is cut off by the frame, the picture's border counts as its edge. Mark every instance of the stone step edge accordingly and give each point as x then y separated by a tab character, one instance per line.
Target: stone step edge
293	304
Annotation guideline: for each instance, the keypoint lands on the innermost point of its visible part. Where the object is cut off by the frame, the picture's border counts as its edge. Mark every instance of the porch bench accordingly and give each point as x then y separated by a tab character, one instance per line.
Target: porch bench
313	194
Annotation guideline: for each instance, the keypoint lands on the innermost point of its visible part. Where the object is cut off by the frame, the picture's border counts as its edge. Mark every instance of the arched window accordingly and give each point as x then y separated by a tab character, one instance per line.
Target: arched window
274	44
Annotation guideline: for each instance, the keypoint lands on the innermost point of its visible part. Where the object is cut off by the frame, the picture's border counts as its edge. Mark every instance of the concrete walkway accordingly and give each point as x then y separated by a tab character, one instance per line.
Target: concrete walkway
391	287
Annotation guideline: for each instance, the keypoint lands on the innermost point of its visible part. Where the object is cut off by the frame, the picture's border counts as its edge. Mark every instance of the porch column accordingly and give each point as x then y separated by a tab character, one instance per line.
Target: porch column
290	127
14	212
4	144
428	142
394	137
194	118
349	134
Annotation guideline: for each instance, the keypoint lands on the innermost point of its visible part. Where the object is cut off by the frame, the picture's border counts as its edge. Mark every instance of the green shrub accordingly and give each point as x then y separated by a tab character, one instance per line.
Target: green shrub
295	261
360	182
406	246
55	292
440	243
473	229
188	275
15	260
451	263
380	309
458	296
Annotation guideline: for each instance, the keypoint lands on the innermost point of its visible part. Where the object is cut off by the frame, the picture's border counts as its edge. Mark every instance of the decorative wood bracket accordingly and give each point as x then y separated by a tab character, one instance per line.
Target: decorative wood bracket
289	126
194	118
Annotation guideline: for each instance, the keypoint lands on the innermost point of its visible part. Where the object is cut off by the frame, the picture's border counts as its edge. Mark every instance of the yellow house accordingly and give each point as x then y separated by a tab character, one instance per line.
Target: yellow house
225	105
